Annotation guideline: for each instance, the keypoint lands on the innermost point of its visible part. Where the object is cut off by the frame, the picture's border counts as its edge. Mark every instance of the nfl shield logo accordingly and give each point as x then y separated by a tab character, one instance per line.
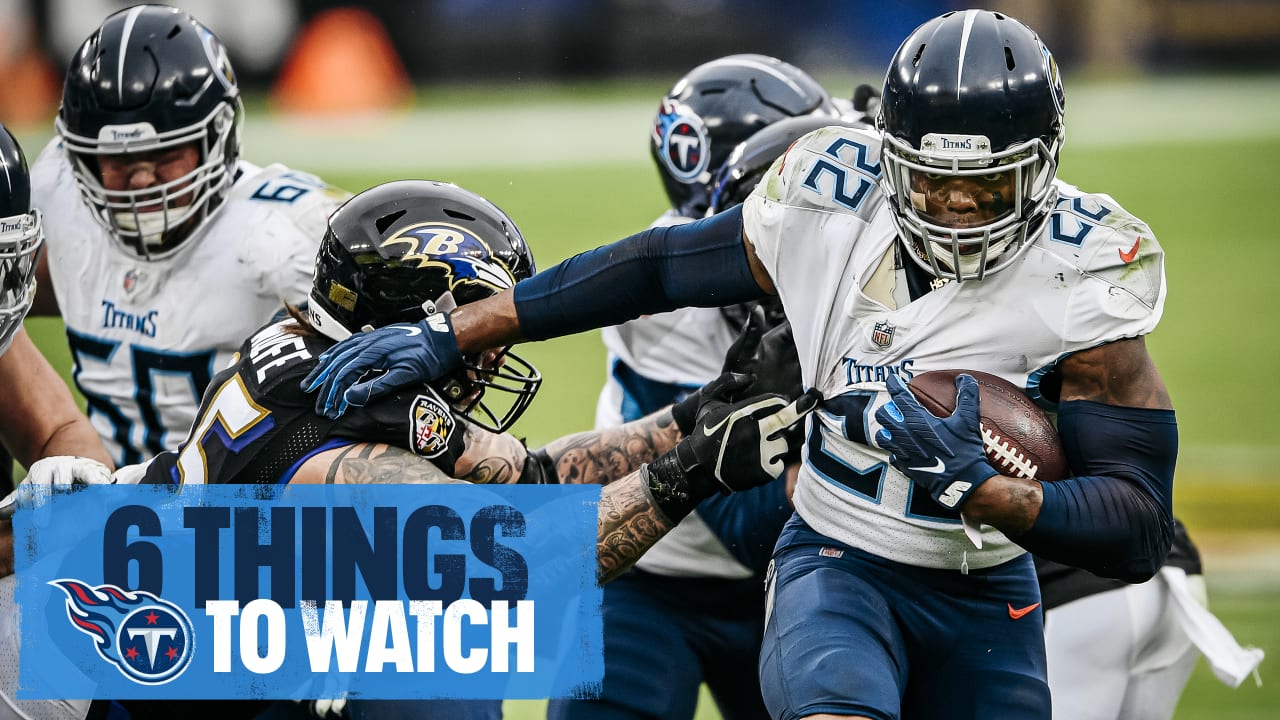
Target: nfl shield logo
130	280
882	334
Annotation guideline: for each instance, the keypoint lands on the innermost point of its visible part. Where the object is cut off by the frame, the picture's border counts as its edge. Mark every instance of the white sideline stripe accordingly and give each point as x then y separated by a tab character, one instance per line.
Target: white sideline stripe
426	142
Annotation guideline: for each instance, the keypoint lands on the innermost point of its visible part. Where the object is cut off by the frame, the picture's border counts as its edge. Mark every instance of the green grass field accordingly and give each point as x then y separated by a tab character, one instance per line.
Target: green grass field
1193	159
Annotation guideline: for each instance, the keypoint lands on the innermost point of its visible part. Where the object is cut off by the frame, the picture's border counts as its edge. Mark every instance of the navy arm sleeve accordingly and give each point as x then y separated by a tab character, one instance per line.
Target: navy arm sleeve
1114	518
700	264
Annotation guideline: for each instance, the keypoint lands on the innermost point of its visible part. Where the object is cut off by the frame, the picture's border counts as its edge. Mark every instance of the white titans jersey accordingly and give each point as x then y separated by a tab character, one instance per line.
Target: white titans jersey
823	230
147	336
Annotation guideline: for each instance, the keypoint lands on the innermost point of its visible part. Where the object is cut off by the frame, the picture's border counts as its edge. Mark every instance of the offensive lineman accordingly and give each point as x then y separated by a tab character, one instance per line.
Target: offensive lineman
165	248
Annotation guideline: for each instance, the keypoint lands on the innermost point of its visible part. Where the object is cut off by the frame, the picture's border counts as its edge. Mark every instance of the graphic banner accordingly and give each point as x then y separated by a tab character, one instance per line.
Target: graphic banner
309	591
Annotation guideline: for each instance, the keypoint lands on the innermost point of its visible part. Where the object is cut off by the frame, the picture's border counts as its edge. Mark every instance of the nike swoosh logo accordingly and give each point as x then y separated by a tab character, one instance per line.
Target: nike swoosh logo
1018	614
1128	257
934	469
409	330
710	430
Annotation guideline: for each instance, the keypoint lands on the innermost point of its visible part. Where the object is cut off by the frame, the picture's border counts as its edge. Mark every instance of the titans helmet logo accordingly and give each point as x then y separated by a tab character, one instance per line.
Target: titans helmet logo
463	256
682	141
218	60
148	639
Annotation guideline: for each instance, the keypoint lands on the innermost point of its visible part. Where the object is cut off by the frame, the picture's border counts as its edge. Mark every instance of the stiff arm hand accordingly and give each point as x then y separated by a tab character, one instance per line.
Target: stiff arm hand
371	364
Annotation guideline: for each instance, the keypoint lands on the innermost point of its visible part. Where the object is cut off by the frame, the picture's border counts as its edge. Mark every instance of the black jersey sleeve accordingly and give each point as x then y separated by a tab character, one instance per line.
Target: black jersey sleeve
416	419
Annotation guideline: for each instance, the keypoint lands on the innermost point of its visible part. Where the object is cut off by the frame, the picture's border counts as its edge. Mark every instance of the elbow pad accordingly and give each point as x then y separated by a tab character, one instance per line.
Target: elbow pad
1114	517
700	264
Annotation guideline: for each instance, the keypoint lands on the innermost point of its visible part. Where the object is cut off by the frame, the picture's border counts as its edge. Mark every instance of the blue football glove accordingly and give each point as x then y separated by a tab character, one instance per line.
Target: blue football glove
371	364
945	455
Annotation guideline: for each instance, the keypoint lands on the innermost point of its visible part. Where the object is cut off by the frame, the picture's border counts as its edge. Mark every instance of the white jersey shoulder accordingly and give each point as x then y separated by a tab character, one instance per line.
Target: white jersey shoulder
147	336
823	231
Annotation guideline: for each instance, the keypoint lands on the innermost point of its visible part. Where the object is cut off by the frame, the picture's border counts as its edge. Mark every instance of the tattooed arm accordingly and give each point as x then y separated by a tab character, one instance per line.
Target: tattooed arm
629	521
367	464
628	524
603	456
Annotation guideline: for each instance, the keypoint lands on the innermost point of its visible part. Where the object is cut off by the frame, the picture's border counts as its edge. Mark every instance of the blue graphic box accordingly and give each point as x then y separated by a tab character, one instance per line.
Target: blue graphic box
378	591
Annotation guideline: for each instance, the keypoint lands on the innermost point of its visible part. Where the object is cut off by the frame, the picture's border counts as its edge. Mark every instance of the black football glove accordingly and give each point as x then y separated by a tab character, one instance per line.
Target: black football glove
761	361
732	446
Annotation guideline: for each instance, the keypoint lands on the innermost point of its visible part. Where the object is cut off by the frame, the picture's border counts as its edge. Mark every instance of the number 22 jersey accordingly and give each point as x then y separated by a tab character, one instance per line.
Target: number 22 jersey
823	230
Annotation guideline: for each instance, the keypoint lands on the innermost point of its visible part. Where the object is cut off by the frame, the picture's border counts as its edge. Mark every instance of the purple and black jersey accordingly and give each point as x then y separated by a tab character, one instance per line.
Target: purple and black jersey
256	425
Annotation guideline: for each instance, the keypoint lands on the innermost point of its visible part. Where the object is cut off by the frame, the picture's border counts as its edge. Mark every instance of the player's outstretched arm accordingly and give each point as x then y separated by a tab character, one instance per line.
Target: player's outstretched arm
656	270
602	456
370	464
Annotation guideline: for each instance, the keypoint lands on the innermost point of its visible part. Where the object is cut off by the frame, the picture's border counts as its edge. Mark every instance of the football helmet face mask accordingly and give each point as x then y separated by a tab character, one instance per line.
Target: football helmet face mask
718	105
971	97
152	78
410	248
21	239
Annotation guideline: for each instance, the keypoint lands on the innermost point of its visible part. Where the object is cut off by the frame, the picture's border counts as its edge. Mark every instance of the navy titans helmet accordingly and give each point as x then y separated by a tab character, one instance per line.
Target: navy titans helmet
973	94
406	249
150	78
718	105
21	238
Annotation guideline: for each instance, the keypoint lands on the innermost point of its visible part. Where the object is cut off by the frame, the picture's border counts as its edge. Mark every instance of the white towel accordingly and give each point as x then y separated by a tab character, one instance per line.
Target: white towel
1229	662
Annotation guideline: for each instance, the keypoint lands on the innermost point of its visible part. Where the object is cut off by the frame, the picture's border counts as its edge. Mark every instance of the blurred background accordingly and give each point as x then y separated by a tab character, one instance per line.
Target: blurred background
1173	108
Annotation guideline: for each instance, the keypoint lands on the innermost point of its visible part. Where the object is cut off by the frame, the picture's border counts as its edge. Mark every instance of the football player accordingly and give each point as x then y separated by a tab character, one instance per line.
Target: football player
941	240
38	418
165	247
397	253
703	581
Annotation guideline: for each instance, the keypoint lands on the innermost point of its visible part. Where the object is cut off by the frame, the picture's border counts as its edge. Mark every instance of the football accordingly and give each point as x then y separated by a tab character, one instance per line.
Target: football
1019	439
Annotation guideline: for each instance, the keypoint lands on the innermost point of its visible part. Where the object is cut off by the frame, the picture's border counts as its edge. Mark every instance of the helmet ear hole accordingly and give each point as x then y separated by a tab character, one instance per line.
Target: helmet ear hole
388	220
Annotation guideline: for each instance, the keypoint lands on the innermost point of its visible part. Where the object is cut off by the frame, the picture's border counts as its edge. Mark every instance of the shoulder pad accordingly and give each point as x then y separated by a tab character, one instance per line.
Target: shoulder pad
834	168
304	198
1093	232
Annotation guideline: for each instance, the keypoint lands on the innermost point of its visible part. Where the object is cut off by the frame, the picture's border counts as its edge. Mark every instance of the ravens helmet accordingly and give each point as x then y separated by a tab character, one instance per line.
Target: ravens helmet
152	78
718	105
21	238
406	249
972	94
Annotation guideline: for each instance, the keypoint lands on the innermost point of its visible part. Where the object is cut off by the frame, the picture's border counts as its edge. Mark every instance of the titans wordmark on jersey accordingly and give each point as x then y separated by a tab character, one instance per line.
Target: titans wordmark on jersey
823	230
147	336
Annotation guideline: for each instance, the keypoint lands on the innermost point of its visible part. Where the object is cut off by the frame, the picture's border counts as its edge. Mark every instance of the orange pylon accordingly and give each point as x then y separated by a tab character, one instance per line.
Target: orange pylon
342	62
